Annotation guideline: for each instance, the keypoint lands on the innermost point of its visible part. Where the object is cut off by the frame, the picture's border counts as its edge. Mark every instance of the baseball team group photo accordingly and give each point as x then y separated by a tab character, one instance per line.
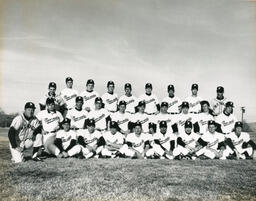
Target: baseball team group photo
139	100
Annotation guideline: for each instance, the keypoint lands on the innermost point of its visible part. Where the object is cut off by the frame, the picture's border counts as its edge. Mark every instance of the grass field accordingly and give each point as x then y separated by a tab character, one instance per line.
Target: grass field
125	179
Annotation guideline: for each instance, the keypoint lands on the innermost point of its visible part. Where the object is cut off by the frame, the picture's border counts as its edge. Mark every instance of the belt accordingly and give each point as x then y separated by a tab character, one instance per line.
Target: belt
112	111
75	129
149	113
48	132
226	133
98	129
173	113
194	112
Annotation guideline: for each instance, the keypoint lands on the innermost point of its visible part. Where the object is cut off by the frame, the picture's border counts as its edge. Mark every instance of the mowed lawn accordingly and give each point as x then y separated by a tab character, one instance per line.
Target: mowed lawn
125	179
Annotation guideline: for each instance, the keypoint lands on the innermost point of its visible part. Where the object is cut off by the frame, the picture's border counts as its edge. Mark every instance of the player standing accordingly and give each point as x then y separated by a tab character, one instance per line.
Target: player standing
194	100
25	133
69	94
173	101
131	100
110	98
219	102
89	96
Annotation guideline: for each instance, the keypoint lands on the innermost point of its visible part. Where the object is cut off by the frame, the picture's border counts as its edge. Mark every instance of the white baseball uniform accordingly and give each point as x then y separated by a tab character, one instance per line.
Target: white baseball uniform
227	122
69	96
89	99
99	117
181	118
58	100
143	118
117	138
131	103
163	117
202	119
194	103
110	101
151	102
218	105
122	119
77	117
173	104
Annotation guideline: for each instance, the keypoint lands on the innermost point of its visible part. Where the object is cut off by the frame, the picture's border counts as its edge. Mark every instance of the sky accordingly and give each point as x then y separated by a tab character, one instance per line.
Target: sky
164	42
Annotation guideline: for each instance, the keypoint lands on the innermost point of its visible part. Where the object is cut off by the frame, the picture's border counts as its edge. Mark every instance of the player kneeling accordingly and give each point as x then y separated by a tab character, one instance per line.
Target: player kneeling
186	143
114	140
135	143
238	142
90	140
66	141
212	143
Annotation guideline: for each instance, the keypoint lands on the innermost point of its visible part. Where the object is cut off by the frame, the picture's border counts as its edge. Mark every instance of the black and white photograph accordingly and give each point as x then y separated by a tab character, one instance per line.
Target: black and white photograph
127	100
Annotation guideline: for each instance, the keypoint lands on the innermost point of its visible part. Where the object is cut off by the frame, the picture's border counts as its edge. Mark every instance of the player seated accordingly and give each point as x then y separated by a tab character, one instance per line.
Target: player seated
25	133
212	143
90	140
114	140
134	146
239	144
163	143
66	141
186	143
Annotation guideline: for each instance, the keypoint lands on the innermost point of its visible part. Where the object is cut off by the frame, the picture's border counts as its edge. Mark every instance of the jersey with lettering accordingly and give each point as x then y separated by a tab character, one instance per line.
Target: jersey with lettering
110	101
24	127
151	102
213	139
189	139
66	137
164	117
194	103
50	120
202	119
238	141
227	122
218	105
58	100
138	142
181	118
89	98
165	139
89	138
173	104
117	138
77	117
144	119
69	96
100	118
122	119
131	103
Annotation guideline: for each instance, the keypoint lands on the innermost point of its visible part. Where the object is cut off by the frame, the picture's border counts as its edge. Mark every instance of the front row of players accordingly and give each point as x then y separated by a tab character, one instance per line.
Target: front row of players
26	132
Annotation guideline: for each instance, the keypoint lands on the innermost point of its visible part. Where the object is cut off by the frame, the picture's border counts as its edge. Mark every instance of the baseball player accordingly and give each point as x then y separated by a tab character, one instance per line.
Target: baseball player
89	96
110	98
50	120
100	115
212	143
78	115
173	101
69	94
134	146
194	100
163	142
204	116
186	143
122	117
114	140
25	133
151	100
131	100
238	142
226	120
66	141
60	104
141	116
219	102
90	140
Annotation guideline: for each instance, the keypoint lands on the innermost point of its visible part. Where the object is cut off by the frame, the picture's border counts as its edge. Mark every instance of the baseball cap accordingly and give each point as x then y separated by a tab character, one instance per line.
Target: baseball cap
79	98
163	124
141	103
148	85
113	124
164	104
98	99
30	105
91	122
50	101
205	102
184	104
122	102
220	89
90	81
194	86
66	120
170	87
188	124
110	83
238	124
211	122
52	84
229	104
69	79
127	85
137	124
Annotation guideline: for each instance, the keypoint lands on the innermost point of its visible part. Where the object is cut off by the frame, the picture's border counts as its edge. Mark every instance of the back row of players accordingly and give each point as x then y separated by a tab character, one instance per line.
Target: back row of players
130	127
